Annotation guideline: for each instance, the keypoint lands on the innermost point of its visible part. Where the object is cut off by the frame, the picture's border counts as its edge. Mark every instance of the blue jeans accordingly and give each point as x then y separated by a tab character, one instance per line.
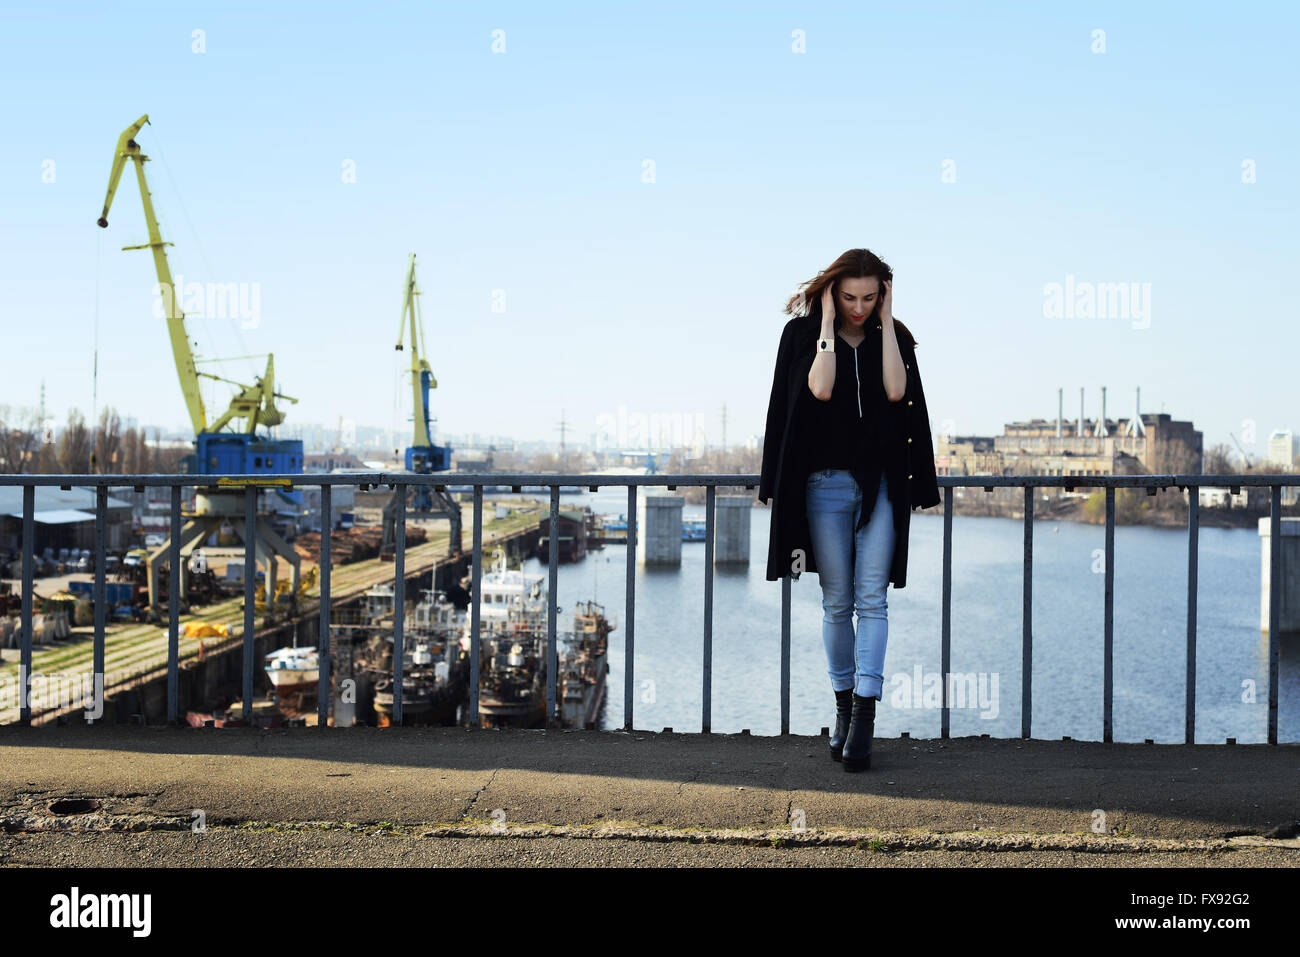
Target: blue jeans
834	506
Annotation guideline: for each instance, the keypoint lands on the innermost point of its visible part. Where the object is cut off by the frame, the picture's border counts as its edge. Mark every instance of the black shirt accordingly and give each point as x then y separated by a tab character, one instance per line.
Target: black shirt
844	431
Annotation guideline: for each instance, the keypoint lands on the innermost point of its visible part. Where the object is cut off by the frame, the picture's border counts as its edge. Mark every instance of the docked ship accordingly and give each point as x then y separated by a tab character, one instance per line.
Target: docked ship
435	674
512	649
512	635
512	685
608	531
584	666
693	530
294	674
575	527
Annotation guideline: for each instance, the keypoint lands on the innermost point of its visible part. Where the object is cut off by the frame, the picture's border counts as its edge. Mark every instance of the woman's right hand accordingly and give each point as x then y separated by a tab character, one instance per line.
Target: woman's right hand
828	306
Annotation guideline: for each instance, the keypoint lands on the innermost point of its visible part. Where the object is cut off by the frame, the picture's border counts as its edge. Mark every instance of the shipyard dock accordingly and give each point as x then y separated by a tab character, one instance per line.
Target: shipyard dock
123	796
136	654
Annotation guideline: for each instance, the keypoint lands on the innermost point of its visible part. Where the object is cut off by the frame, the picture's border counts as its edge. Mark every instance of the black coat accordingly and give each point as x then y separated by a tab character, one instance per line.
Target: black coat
789	550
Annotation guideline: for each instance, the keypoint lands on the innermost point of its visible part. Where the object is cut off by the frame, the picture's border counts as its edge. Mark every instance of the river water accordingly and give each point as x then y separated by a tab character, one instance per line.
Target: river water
1150	627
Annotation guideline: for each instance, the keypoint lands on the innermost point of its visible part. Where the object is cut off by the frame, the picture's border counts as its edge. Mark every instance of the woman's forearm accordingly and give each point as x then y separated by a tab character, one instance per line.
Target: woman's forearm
821	377
892	372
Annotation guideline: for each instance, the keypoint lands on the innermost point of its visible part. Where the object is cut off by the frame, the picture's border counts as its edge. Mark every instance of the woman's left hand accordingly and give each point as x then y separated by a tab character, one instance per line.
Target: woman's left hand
887	303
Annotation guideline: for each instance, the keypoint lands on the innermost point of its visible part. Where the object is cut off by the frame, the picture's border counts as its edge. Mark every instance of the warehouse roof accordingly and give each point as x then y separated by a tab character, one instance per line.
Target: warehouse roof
58	516
51	498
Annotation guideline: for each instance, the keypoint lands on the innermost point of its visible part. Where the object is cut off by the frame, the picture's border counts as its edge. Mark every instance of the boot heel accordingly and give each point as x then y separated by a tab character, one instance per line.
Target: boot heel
856	755
843	714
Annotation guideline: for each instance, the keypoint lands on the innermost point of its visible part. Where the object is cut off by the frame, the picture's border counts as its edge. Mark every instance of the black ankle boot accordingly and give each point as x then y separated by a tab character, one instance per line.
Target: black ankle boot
862	727
843	712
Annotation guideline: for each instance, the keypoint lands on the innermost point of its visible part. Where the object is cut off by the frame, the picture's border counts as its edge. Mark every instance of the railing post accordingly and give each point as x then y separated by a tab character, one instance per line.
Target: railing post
474	615
785	654
945	614
706	721
324	685
174	609
101	588
553	572
1274	604
1108	614
250	581
1193	563
25	659
399	600
629	642
1027	620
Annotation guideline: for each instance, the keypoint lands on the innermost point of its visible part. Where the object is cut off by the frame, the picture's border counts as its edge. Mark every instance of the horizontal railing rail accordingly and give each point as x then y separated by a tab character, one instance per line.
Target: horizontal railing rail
554	482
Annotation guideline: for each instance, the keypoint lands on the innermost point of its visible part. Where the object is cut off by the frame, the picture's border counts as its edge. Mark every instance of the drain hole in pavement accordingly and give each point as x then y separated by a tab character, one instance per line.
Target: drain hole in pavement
74	806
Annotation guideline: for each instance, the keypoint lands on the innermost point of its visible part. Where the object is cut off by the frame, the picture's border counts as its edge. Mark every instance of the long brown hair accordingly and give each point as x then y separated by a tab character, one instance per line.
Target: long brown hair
851	264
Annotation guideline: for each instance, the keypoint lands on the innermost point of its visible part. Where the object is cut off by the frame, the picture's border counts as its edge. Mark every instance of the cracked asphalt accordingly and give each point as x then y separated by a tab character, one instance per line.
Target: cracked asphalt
446	796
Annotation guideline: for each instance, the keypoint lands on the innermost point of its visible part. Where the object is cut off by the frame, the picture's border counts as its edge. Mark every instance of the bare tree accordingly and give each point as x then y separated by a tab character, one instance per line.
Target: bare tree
130	451
165	461
108	443
545	462
74	445
47	459
146	463
1220	460
20	439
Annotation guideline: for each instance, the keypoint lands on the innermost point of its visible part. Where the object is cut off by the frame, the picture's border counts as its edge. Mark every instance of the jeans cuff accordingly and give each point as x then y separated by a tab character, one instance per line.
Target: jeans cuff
869	688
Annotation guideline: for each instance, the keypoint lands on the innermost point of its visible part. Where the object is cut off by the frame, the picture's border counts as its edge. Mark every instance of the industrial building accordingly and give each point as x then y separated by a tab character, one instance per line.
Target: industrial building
64	518
1140	444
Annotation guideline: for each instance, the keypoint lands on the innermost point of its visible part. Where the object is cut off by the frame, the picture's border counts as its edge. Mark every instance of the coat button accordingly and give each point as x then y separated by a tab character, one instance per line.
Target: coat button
906	366
877	327
909	441
909	401
909	476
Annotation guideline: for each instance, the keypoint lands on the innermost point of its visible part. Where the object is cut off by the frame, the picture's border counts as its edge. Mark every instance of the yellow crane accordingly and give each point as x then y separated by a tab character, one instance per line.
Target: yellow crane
422	456
422	379
255	404
217	452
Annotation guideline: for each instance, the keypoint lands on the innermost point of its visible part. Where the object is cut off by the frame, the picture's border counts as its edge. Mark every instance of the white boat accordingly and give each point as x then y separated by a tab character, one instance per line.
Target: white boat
512	602
379	604
293	669
434	615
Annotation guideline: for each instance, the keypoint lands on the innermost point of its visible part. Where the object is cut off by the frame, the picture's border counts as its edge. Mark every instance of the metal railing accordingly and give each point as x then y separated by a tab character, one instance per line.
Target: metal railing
517	480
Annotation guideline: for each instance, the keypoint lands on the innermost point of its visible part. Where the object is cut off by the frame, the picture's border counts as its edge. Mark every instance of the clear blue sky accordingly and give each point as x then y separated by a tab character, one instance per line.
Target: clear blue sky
522	172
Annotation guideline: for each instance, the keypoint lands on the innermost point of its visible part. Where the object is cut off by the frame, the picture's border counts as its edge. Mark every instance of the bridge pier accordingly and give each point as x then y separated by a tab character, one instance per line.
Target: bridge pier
731	529
659	530
1289	582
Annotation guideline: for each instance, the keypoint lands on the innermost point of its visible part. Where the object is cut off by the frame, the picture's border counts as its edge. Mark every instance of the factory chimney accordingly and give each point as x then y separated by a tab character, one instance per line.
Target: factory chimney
1135	426
1101	431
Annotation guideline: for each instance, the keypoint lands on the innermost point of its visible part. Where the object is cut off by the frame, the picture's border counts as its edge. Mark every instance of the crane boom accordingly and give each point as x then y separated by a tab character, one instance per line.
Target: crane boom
253	403
422	379
128	149
1245	456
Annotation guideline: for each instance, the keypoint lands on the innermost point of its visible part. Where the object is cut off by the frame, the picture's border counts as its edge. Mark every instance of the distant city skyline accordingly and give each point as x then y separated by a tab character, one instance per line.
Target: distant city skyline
1276	444
610	205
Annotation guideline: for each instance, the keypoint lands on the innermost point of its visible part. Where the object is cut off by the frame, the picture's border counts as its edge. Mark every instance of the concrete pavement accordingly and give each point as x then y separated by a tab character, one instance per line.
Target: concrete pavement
419	796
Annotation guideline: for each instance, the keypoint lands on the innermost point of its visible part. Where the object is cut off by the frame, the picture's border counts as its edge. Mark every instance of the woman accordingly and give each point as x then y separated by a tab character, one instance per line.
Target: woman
846	456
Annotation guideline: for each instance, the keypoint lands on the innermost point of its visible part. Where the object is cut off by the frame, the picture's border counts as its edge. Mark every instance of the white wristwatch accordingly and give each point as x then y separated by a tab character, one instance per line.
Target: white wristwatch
826	345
